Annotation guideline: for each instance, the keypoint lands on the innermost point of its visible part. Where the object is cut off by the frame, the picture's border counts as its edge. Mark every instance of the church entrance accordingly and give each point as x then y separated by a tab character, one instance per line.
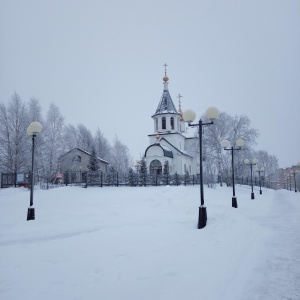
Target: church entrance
155	167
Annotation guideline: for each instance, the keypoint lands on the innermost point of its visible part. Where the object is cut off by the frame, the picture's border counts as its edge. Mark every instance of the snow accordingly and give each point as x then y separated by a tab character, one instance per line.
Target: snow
142	243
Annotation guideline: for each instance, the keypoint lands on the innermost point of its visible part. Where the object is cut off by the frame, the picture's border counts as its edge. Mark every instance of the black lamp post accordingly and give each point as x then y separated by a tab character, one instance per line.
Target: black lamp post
239	144
33	129
259	178
295	172
189	116
253	163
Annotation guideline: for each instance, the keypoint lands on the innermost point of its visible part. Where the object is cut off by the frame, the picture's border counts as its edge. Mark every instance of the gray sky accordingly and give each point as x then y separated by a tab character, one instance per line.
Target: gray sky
102	62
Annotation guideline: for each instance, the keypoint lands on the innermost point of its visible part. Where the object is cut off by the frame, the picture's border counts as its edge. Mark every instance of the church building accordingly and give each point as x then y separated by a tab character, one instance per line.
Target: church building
168	142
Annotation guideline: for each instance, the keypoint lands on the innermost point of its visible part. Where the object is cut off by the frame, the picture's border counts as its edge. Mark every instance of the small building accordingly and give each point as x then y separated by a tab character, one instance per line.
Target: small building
78	160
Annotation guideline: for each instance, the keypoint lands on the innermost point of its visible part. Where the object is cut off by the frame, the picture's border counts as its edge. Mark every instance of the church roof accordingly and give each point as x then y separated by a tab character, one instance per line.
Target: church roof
166	104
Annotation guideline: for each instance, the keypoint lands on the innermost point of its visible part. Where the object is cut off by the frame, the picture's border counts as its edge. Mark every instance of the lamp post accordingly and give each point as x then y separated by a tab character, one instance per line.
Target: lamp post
295	172
259	178
251	164
189	116
239	144
33	129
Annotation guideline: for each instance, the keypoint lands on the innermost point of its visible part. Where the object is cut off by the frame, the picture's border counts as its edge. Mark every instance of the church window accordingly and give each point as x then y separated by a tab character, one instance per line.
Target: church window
156	125
163	123
172	123
155	167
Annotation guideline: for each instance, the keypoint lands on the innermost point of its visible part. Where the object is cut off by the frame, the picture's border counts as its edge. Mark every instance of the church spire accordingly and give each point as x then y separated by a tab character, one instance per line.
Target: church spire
166	104
166	78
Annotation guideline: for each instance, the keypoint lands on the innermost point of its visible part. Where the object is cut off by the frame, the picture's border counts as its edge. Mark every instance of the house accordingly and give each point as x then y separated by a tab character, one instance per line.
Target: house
78	160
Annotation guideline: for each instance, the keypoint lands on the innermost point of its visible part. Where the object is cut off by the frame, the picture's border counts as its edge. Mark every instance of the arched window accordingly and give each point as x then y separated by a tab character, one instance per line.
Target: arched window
172	122
76	158
163	123
155	167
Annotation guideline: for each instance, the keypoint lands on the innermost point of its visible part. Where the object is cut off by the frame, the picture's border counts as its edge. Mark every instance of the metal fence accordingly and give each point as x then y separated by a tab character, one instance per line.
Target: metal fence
126	179
100	179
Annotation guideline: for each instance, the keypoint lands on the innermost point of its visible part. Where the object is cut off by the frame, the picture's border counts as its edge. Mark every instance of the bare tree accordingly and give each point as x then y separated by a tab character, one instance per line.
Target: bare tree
53	139
268	162
85	139
102	146
70	137
34	114
13	137
120	156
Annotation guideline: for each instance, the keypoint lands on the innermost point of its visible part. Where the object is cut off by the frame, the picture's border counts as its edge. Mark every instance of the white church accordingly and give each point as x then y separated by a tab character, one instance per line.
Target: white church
169	141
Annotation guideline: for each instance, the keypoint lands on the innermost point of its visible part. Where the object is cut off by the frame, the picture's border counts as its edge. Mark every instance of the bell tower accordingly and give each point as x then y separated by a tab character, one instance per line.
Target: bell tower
166	118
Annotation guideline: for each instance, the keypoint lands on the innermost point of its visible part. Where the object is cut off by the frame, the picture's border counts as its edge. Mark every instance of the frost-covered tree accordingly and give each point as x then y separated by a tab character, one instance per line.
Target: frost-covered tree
93	162
215	160
94	176
143	171
102	146
53	140
85	140
14	141
34	114
120	156
34	111
166	172
70	137
268	162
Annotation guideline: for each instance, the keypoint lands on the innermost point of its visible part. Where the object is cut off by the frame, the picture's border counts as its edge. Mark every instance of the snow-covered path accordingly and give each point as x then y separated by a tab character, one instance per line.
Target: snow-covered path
277	277
142	243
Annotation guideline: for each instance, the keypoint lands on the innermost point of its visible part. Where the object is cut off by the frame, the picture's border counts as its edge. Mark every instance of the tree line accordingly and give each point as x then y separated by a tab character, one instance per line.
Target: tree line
55	139
218	163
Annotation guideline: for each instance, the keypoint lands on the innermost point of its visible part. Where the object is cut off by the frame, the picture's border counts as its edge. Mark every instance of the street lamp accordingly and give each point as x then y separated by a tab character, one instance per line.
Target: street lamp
295	172
189	116
259	178
239	144
33	129
253	163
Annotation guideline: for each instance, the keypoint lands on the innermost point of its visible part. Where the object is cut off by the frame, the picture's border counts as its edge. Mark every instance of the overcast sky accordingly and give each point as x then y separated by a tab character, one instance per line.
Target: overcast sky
101	62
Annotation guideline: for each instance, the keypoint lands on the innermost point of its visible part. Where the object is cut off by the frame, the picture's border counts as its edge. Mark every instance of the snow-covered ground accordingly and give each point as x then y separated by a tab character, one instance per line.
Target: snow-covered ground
142	243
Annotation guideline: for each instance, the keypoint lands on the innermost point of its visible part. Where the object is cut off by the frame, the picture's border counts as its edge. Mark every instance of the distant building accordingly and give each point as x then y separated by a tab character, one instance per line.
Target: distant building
78	160
168	141
286	178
